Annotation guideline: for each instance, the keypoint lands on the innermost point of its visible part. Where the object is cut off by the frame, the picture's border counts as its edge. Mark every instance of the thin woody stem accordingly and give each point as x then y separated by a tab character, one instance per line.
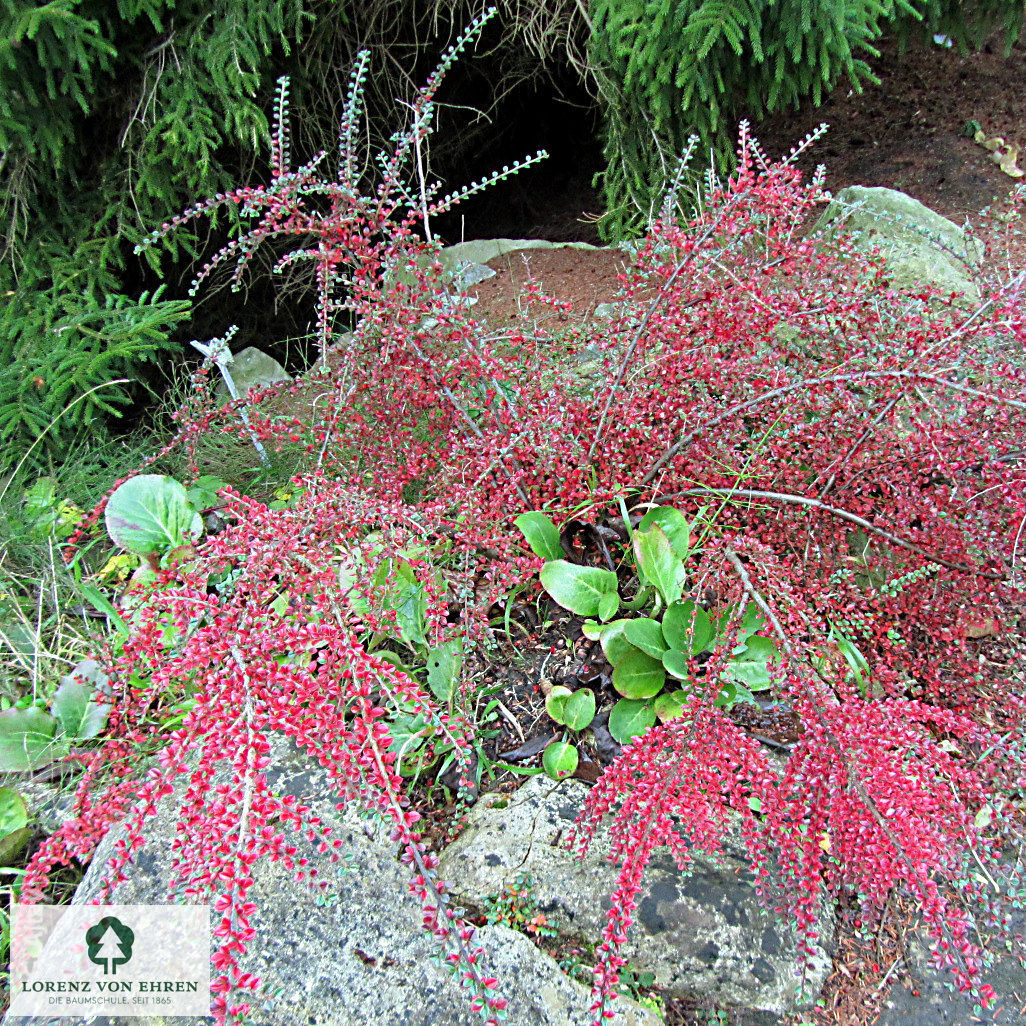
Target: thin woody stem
843	514
797	386
639	334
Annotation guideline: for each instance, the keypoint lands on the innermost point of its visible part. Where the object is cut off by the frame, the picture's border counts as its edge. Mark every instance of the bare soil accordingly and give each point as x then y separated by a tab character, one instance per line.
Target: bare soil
583	277
912	132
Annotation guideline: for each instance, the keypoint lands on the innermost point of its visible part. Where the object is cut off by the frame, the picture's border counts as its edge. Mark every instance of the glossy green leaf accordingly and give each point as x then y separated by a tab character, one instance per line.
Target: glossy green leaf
541	534
556	702
12	844
26	739
577	588
614	642
81	712
676	664
638	675
658	564
443	669
408	599
608	605
731	693
629	718
751	621
560	760
13	812
151	513
646	634
674	524
579	710
750	667
680	620
669	706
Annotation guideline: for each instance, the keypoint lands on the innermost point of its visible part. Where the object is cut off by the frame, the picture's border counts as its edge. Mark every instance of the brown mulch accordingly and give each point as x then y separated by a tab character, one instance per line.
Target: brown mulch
583	277
909	132
863	969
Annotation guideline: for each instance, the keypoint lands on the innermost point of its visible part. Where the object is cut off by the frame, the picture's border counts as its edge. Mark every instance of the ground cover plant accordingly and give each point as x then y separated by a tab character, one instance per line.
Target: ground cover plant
812	472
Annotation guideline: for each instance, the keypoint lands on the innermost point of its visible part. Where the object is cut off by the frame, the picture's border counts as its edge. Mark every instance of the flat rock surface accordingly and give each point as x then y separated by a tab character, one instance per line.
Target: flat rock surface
357	957
704	933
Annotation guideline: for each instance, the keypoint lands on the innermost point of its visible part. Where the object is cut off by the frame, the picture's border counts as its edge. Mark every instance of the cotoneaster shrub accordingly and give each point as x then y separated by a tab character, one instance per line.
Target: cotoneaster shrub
856	449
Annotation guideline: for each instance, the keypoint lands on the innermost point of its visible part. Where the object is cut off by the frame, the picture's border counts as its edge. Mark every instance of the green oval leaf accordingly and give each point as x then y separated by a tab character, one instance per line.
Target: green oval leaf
13	811
675	663
541	534
678	622
674	525
750	667
443	669
579	710
151	513
646	634
629	718
608	605
75	704
556	702
638	675
12	845
577	588
658	563
751	621
731	693
26	739
560	760
670	706
614	643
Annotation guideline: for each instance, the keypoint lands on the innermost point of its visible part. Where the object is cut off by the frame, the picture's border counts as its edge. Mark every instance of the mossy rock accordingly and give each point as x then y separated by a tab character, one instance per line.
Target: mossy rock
920	246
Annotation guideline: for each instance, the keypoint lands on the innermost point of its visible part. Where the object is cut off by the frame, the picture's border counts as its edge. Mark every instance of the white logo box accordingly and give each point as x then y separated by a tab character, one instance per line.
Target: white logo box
125	960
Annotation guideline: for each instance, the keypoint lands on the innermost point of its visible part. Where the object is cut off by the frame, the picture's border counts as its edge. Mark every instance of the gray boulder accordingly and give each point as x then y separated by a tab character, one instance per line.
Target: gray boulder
252	368
49	804
705	933
357	955
480	251
921	246
473	274
926	997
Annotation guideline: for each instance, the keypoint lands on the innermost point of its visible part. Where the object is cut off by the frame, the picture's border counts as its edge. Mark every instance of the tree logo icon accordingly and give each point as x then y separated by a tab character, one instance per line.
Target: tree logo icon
109	944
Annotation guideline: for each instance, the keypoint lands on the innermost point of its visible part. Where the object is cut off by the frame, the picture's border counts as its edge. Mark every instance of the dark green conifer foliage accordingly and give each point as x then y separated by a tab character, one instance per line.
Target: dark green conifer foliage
112	114
115	114
670	68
